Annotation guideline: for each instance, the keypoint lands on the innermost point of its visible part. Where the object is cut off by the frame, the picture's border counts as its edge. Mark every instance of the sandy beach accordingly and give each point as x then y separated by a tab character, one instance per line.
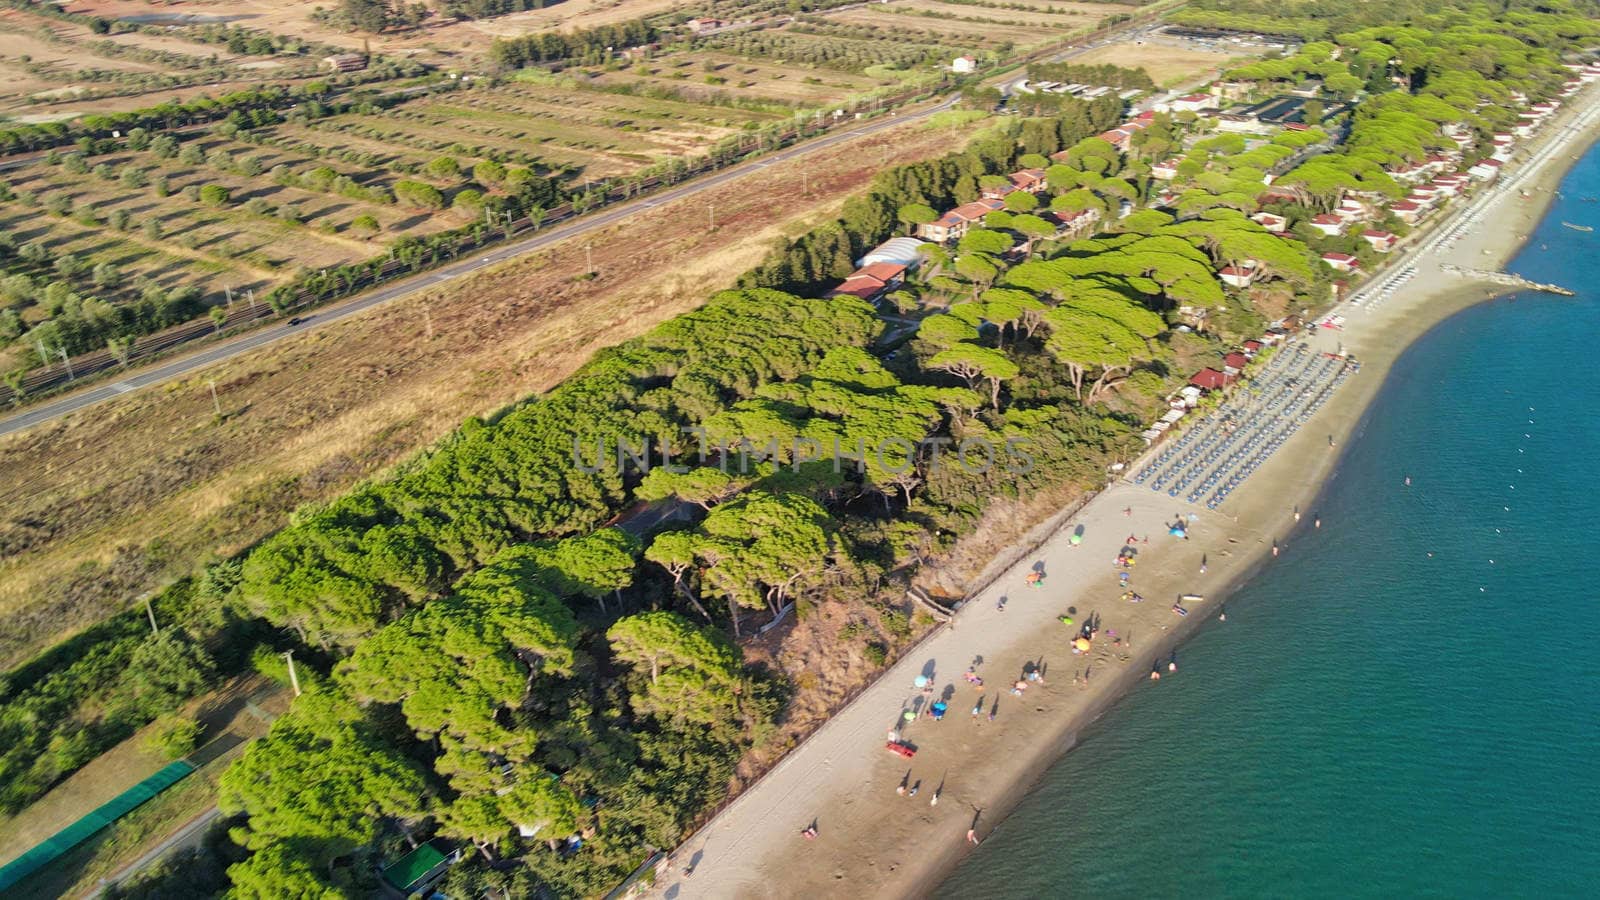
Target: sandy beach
872	840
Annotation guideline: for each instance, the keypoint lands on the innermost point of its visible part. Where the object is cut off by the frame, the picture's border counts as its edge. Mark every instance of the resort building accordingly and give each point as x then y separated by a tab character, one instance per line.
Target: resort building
1407	211
872	281
1329	224
1209	379
1486	169
1342	262
953	224
1273	223
1381	241
1074	225
1165	171
1237	276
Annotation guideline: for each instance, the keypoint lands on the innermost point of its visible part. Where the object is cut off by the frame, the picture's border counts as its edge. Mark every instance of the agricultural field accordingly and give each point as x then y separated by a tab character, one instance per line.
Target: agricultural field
912	35
1168	64
213	218
54	68
551	123
440	40
309	416
978	26
711	75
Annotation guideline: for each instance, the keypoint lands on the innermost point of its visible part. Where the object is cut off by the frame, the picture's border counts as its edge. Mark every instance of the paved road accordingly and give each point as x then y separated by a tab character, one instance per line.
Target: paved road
189	835
210	356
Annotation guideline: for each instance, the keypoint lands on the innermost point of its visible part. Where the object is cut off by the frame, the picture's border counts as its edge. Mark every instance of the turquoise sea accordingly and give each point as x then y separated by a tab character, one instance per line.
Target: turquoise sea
1371	721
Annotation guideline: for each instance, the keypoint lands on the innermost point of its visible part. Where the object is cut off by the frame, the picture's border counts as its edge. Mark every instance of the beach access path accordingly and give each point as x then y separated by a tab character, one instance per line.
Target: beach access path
872	841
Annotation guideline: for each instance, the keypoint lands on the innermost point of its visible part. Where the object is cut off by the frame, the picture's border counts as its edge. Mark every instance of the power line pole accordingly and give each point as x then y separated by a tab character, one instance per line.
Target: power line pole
711	217
588	256
151	612
427	319
294	680
215	403
66	362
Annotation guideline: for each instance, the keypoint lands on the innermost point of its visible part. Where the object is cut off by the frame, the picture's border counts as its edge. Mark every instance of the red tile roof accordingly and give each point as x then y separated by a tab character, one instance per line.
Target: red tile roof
1208	379
884	272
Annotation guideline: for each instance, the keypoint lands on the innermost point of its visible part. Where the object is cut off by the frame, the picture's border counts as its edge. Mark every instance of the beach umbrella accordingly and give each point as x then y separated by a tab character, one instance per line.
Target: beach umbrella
1176	531
909	716
1075	540
921	681
1082	644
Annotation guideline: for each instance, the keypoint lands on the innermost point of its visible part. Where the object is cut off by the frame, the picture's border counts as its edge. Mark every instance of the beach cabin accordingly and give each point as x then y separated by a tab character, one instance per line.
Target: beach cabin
1237	276
1351	210
1486	169
1381	241
1209	379
1341	262
1251	348
1234	363
1329	224
1273	223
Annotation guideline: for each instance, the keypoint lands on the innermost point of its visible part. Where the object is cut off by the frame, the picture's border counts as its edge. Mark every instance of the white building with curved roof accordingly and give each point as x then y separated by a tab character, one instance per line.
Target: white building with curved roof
903	250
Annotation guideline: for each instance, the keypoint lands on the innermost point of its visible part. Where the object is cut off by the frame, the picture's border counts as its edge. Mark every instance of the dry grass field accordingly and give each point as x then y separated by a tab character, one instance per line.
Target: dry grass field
114	501
438	42
747	78
553	122
1166	64
982	27
48	64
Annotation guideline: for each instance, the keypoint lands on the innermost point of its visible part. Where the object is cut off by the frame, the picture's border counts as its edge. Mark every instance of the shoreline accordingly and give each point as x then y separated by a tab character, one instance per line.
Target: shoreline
870	838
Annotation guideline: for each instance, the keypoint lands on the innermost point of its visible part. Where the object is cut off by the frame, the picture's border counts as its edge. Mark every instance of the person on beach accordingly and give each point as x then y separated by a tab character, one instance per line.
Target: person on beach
1127	511
977	709
972	836
810	832
995	709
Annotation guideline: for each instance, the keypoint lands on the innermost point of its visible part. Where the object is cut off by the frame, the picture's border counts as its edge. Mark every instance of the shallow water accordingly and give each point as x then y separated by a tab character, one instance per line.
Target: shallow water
1370	720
